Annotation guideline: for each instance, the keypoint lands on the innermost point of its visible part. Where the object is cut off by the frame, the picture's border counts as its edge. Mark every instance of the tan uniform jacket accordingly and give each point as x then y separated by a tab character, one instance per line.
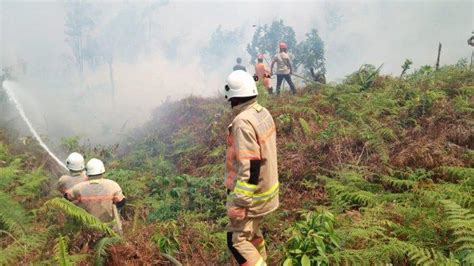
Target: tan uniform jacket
251	138
97	196
66	182
282	60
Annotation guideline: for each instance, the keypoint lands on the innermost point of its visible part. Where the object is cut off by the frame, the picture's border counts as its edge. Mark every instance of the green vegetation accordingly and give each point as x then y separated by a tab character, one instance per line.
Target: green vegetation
375	170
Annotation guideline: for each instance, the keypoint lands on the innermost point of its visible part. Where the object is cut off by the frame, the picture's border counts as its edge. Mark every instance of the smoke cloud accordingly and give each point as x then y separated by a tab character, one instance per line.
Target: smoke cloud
170	63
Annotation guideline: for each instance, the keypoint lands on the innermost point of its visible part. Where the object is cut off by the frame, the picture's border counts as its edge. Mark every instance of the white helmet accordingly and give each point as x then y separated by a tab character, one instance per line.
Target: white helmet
240	84
75	162
95	167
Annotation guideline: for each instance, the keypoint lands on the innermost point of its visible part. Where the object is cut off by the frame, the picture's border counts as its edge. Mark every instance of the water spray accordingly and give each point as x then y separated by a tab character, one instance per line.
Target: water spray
7	86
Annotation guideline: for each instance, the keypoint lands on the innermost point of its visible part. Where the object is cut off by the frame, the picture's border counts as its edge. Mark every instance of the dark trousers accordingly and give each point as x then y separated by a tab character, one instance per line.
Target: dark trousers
287	77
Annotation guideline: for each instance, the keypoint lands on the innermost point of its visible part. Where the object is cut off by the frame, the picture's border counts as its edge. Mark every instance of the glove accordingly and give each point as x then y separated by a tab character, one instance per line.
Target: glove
237	213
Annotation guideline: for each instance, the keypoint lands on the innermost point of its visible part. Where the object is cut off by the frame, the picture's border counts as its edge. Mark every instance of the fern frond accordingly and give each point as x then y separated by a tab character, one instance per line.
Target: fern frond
454	173
22	247
61	255
425	256
13	218
349	195
461	221
346	257
80	215
101	248
400	184
305	126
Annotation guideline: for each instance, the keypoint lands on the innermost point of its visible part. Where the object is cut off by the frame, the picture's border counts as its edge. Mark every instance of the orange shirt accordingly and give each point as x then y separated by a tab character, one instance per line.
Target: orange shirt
261	70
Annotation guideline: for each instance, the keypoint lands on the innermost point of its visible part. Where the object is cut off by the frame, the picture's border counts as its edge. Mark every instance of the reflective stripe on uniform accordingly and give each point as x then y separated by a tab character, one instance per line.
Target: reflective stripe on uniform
96	198
256	198
267	195
260	262
244	188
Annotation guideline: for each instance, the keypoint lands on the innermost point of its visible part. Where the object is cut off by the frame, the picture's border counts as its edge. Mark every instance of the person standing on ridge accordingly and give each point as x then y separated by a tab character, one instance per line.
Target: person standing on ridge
75	164
251	175
99	196
263	73
239	65
284	69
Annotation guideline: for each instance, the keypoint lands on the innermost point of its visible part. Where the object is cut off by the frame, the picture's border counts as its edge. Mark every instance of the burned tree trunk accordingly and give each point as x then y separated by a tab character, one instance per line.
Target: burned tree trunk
439	54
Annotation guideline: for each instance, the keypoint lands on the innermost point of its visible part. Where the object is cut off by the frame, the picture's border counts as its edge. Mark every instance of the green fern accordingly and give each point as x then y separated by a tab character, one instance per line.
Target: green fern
31	184
348	195
346	257
428	256
13	218
101	248
454	173
461	221
80	215
9	173
23	246
305	127
461	195
61	255
399	184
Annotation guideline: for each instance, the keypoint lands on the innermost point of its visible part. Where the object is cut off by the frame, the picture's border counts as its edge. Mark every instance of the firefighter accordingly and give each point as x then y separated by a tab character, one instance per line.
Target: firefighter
99	196
251	175
284	69
263	73
75	164
239	65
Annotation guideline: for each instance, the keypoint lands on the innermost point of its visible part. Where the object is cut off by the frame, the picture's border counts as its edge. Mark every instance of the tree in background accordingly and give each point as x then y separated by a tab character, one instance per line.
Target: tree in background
125	36
310	55
222	43
266	38
122	38
79	22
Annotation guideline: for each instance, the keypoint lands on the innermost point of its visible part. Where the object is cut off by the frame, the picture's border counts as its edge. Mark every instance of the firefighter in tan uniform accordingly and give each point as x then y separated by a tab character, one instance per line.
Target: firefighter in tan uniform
251	170
284	70
75	164
99	196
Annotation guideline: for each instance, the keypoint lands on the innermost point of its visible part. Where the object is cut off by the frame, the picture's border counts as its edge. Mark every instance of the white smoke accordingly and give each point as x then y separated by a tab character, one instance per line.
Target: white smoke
354	32
9	88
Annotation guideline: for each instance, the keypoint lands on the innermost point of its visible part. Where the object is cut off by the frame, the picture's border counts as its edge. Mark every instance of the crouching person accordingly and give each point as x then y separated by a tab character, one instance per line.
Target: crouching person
251	170
99	196
75	164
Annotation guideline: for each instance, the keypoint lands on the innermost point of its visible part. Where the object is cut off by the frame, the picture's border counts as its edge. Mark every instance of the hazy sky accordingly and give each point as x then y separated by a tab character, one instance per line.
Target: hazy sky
365	31
354	32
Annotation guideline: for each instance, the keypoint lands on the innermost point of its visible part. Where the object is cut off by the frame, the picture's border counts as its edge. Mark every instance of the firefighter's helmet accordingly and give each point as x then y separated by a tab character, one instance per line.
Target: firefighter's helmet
95	167
240	84
75	162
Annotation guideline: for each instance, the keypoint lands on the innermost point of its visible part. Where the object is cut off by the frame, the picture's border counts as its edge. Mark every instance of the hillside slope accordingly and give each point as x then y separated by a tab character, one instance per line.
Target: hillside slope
372	170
